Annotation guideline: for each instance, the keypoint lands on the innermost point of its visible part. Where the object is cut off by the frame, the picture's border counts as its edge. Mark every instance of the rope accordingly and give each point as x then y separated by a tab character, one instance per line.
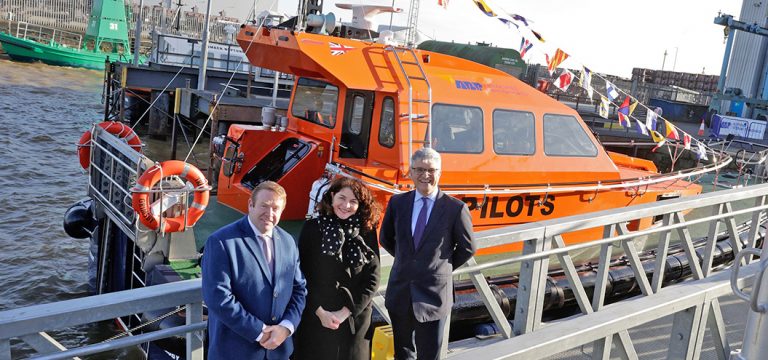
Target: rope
159	318
152	104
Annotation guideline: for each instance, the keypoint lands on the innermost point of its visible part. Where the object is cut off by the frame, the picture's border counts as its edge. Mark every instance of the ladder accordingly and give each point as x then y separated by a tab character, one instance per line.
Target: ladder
408	67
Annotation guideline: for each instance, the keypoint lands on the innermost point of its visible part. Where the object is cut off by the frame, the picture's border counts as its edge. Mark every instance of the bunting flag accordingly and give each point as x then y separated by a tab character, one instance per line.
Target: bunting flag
519	18
537	35
656	136
641	128
443	3
650	120
671	130
658	145
687	141
556	60
564	80
624	113
610	90
509	23
604	103
632	107
484	8
586	81
525	45
702	151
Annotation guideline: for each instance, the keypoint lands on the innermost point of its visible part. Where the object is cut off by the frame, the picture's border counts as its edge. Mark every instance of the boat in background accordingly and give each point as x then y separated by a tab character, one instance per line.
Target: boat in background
106	39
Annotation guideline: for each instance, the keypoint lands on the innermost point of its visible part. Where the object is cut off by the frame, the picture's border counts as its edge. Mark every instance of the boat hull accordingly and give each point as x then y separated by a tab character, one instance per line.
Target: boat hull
30	51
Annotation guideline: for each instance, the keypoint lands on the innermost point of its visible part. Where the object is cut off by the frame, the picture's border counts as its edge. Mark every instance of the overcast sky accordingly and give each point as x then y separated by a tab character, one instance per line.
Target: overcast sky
606	36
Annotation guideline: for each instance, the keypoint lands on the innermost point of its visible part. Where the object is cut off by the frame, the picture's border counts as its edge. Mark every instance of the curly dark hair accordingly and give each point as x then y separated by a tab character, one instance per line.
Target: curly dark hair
368	210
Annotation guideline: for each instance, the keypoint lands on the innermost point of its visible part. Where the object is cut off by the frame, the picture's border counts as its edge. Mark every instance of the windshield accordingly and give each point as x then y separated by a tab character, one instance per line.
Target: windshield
315	101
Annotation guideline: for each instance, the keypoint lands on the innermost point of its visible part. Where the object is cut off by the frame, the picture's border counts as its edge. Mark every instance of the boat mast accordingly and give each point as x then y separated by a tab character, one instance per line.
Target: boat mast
204	52
413	23
137	34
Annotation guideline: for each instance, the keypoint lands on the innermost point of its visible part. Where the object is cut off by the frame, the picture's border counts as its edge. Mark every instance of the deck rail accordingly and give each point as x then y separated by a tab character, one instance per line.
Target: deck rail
46	35
693	303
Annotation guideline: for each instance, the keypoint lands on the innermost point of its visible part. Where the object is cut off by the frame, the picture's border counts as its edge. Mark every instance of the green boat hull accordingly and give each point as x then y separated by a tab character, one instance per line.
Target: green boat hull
27	50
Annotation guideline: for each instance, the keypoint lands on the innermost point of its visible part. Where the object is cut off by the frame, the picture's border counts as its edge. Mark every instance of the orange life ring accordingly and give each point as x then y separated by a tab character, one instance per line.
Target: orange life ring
115	128
150	178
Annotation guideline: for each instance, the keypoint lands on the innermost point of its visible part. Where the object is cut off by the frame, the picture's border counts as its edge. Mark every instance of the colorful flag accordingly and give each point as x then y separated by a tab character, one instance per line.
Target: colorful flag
484	8
650	120
525	45
702	151
624	113
610	90
586	81
604	103
338	49
537	35
556	60
509	23
633	106
443	3
687	141
564	80
656	136
671	130
520	19
658	145
641	128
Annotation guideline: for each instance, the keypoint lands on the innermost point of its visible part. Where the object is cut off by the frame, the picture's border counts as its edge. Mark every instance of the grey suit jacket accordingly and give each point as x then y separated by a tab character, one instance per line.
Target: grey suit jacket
421	276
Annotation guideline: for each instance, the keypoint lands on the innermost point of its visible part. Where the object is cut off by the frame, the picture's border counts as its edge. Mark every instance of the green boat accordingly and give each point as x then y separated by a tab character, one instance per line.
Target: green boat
105	39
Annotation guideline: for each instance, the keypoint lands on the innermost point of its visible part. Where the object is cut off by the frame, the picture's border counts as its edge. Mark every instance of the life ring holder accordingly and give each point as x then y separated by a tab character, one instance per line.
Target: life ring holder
140	197
118	129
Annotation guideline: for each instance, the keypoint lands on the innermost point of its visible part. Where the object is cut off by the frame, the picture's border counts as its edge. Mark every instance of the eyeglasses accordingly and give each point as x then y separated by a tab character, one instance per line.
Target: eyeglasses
422	171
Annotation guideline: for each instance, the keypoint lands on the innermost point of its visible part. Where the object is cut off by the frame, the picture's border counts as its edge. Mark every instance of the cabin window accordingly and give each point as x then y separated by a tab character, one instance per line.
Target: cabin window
513	132
358	106
564	136
315	101
457	129
387	126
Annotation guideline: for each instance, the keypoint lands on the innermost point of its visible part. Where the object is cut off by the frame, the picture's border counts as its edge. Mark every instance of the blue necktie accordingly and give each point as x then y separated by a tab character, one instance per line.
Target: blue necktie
421	223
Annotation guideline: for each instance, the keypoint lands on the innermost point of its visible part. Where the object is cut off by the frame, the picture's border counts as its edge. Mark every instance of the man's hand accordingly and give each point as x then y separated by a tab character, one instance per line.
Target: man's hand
327	318
274	336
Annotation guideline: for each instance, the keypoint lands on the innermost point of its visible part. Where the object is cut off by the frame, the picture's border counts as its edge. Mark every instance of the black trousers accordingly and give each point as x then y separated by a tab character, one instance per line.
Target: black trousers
416	340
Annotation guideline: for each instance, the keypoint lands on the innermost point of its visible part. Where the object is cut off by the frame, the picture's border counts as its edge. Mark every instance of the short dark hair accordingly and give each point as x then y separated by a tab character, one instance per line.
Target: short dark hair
368	209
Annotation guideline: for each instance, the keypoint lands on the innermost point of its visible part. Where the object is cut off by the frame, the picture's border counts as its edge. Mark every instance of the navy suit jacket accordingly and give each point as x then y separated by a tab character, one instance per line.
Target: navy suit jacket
242	295
421	277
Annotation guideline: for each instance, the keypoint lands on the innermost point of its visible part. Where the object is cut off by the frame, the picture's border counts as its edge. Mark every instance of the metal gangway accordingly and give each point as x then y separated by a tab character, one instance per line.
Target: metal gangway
694	304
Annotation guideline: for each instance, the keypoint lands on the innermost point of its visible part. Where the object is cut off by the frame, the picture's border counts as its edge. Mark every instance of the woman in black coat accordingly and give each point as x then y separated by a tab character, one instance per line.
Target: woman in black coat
339	254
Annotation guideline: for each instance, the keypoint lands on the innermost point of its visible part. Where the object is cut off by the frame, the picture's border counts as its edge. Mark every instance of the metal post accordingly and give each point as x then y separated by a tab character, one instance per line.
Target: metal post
204	50
716	102
274	89
755	343
137	34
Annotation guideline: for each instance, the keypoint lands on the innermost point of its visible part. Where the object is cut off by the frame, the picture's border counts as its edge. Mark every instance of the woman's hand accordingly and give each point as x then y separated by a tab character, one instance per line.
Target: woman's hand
328	319
342	314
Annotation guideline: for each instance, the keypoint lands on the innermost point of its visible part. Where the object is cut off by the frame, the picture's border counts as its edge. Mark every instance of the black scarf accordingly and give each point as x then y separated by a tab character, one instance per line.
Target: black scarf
341	239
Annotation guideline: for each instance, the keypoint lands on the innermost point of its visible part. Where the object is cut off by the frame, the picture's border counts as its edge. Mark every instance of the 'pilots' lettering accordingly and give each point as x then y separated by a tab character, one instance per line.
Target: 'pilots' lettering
513	207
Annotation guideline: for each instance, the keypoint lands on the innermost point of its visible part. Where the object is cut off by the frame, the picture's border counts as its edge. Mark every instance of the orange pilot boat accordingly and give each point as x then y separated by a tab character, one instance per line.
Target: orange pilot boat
360	108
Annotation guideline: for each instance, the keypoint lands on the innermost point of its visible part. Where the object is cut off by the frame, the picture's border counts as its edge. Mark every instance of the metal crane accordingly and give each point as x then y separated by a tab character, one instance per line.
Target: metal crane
731	24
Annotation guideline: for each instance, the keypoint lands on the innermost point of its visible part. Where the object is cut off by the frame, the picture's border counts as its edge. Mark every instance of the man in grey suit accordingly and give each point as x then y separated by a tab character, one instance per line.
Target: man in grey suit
429	234
252	284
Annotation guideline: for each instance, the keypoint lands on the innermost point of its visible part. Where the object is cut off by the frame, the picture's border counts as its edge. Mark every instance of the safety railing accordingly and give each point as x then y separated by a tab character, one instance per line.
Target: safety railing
694	304
47	35
30	324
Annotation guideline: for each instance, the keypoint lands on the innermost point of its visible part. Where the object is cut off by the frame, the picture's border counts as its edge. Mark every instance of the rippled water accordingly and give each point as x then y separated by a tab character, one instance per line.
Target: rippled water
43	112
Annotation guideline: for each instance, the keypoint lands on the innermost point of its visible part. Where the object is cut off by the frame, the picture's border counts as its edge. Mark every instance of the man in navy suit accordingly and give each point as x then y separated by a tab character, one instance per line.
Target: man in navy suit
429	234
252	284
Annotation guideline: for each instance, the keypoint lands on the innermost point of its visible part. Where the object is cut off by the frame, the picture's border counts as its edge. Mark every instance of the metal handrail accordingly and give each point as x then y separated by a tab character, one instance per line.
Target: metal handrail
752	299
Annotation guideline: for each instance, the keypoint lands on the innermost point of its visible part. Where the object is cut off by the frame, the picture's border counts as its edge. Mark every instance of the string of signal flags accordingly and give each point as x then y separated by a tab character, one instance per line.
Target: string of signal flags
625	102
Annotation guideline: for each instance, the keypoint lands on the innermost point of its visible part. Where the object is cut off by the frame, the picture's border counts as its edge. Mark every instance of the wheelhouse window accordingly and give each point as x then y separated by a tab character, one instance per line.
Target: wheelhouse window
514	132
457	129
387	125
564	136
315	101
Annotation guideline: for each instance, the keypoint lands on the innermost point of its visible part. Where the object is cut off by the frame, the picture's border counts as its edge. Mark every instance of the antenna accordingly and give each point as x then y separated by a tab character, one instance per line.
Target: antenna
413	23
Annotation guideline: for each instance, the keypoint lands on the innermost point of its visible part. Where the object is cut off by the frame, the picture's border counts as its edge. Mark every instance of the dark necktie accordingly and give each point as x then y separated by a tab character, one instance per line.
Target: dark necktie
421	223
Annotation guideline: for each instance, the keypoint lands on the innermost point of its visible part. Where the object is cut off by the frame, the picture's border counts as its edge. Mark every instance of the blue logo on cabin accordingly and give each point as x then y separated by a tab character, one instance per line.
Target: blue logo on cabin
469	85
